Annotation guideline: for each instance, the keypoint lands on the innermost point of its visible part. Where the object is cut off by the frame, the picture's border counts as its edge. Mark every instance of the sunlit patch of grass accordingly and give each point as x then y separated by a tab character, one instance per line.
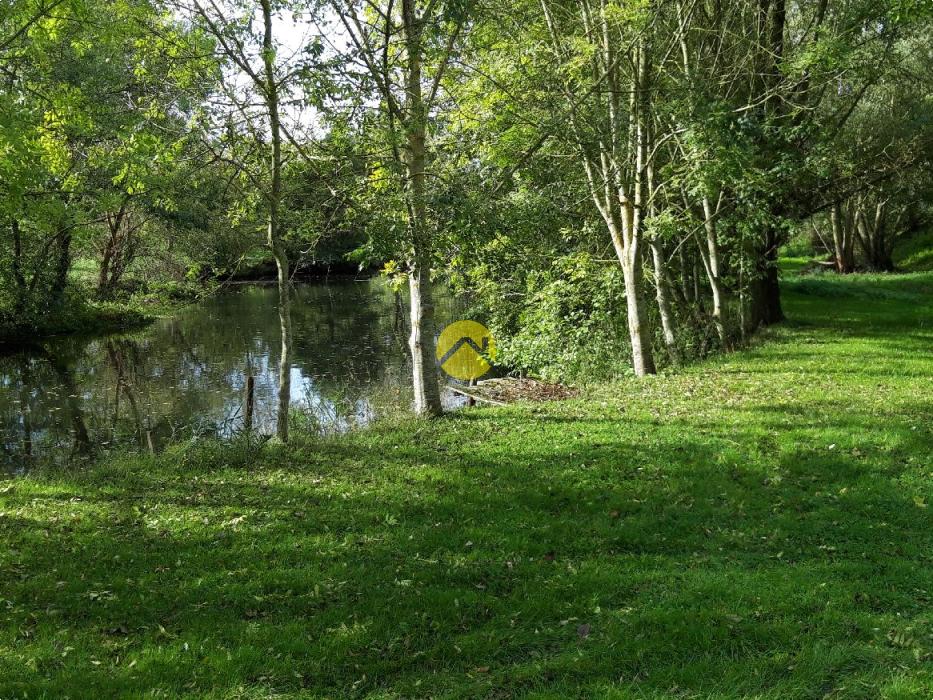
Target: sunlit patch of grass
793	265
915	253
84	271
758	525
914	287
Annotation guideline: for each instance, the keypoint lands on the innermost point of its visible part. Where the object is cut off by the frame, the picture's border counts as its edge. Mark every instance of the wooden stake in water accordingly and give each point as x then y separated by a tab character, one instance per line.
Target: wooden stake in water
250	402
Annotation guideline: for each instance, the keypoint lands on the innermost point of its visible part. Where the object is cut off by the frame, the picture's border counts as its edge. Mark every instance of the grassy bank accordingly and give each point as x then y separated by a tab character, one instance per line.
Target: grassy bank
78	318
755	526
81	314
916	253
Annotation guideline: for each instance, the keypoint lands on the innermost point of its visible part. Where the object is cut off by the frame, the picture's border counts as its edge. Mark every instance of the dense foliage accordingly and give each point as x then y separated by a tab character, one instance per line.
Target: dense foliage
610	183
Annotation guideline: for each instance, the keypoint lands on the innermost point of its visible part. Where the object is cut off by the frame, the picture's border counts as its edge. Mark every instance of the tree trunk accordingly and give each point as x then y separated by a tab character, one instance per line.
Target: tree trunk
274	238
285	352
618	192
764	285
632	274
664	302
685	270
642	356
114	226
19	279
103	275
422	342
249	403
765	289
843	249
125	252
873	239
662	283
695	288
711	264
62	266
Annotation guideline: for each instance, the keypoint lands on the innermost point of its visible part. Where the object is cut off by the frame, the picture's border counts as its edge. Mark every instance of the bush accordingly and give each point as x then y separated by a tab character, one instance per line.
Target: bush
568	322
74	315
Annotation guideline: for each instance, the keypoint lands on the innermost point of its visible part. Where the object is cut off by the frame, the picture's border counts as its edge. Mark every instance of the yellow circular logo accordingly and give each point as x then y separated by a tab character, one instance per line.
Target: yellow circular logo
463	348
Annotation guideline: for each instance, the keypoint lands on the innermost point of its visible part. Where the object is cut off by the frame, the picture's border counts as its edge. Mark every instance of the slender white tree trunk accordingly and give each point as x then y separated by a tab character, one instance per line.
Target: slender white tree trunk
711	264
630	260
632	229
422	341
632	273
662	282
843	242
663	297
622	146
274	238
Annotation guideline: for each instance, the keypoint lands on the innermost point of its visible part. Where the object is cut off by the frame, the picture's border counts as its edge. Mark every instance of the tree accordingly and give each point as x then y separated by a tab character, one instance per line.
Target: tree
84	104
405	50
252	139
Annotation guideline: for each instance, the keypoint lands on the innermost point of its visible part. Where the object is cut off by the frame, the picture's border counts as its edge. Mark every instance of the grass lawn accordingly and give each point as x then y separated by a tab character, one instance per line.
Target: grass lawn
757	525
915	253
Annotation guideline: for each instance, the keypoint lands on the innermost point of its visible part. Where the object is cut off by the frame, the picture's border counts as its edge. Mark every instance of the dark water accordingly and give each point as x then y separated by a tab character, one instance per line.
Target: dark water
186	376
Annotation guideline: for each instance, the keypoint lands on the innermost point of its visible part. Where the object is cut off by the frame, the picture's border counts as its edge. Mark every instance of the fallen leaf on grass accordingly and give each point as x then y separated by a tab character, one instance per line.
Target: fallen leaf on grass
233	522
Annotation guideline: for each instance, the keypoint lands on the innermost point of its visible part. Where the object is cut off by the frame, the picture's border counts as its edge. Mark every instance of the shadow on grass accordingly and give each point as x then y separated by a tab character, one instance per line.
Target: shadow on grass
438	569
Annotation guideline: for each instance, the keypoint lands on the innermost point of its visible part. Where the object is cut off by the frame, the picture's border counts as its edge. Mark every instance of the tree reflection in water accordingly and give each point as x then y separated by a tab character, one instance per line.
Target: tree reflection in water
187	376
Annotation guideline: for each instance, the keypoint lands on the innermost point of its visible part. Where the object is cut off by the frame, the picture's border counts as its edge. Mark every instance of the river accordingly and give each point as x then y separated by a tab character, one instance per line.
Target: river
186	377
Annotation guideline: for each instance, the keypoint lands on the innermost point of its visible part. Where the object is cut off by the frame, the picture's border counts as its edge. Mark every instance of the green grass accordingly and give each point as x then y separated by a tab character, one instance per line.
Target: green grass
915	254
85	270
907	288
755	526
793	265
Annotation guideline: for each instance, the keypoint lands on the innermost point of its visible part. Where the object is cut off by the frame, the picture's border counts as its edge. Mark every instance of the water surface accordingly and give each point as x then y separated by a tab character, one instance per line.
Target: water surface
186	376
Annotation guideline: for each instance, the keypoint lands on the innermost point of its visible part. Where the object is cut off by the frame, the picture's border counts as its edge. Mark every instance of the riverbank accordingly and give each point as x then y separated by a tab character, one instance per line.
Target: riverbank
85	318
756	525
82	315
264	270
